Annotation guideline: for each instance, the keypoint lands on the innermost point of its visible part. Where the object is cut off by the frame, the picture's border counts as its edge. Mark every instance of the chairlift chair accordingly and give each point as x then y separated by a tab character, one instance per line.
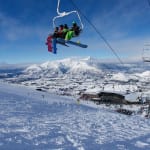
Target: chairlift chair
146	53
63	14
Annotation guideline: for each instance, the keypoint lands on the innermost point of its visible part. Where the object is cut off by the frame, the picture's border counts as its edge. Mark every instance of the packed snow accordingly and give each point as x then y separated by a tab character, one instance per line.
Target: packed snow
31	119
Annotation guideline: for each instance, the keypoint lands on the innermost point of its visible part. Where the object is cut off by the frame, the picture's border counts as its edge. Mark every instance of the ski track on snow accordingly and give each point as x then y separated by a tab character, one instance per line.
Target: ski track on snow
30	120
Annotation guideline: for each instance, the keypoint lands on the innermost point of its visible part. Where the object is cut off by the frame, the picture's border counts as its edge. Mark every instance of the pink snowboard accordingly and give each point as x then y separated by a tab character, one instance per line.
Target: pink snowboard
49	43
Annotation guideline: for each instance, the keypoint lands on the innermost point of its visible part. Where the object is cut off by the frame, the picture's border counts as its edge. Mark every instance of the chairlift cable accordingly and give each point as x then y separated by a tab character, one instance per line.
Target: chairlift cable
99	33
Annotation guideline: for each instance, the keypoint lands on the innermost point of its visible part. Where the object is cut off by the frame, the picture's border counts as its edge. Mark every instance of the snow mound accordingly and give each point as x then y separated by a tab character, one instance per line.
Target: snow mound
120	77
145	74
33	68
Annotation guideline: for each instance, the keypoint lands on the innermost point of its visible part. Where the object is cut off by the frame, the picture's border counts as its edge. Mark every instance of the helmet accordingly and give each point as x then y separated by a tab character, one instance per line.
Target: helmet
73	22
56	28
61	25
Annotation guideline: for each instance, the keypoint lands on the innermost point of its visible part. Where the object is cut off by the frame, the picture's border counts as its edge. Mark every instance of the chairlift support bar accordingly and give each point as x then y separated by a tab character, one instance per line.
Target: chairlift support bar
63	14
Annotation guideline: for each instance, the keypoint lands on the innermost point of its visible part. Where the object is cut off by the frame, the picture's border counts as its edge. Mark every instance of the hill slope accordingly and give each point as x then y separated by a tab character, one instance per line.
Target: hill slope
35	120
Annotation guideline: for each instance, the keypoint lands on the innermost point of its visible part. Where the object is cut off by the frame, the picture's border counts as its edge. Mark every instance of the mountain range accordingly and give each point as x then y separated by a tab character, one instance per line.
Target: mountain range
73	75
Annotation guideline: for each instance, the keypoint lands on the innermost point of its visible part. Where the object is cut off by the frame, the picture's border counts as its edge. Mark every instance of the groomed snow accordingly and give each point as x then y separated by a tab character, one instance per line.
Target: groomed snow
37	120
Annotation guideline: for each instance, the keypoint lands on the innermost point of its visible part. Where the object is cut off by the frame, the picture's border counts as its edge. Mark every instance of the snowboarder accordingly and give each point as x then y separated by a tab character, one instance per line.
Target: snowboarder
65	30
60	32
56	33
75	30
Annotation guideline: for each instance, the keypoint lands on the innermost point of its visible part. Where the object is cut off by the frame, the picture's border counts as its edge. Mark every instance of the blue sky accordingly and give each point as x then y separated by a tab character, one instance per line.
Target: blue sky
25	24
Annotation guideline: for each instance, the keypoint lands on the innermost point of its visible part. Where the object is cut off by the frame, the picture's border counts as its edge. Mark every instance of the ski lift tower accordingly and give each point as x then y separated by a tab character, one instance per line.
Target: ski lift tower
146	53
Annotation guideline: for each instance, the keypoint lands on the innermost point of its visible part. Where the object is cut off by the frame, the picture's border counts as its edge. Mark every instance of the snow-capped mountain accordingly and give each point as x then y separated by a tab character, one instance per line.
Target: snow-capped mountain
85	65
88	67
69	66
75	75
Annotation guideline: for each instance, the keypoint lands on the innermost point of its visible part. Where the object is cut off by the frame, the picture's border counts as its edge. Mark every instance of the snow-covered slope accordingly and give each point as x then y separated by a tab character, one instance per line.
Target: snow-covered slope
35	120
120	77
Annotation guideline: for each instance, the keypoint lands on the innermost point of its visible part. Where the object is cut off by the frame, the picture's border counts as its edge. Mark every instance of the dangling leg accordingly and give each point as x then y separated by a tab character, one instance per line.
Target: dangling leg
54	48
69	35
